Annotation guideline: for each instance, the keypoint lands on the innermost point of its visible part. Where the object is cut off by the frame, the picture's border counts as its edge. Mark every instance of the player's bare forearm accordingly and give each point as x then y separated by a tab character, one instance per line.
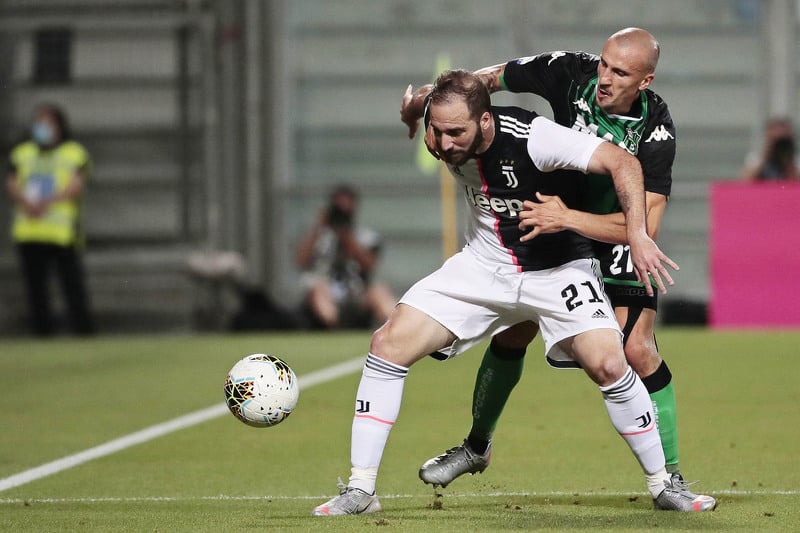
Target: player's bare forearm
611	228
648	260
413	107
633	207
626	173
605	228
551	215
490	76
629	185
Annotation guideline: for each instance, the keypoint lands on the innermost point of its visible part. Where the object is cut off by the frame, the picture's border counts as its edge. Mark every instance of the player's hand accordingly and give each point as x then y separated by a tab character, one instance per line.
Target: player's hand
648	261
430	143
406	115
411	111
546	216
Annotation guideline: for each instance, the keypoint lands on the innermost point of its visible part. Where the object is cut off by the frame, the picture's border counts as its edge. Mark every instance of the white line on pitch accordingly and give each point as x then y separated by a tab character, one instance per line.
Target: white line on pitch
539	494
153	432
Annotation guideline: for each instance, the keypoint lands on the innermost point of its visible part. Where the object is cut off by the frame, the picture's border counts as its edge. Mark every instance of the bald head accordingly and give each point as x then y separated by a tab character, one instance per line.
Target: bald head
640	43
626	68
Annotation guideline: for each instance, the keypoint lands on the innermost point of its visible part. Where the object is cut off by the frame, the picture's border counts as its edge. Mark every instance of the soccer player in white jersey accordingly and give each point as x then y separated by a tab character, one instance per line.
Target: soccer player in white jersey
501	157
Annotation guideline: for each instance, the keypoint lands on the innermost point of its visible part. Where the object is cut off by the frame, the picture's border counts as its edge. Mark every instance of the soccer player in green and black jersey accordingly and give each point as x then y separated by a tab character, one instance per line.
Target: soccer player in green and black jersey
607	96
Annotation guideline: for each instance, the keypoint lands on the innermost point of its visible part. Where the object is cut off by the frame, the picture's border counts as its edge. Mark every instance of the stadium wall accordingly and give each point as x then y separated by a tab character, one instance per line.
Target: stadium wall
221	125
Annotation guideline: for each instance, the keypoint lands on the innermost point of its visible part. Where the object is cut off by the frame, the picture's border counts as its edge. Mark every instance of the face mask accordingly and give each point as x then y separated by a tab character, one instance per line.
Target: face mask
43	134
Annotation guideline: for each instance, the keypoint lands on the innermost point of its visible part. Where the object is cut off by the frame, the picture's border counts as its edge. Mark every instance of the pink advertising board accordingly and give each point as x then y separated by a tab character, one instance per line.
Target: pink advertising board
755	255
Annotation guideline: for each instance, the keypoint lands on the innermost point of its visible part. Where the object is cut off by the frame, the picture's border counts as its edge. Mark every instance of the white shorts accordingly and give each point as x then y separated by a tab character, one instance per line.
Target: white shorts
474	299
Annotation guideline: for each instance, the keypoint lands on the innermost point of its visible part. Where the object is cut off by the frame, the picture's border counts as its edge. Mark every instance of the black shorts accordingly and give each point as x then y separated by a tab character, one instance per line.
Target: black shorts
631	296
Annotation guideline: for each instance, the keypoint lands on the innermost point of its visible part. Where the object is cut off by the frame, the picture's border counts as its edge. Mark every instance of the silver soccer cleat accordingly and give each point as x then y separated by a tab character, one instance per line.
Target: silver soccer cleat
455	462
349	501
676	496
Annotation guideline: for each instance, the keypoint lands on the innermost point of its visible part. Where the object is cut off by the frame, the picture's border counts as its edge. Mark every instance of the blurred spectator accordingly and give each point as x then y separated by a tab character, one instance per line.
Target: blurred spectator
338	259
778	157
46	180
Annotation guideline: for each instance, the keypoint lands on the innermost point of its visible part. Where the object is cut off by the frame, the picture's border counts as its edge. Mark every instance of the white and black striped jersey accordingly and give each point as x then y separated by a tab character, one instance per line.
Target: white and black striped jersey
529	153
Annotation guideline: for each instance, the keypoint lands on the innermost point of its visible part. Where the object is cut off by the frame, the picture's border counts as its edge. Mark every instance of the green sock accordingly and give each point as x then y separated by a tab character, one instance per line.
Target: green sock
499	372
659	385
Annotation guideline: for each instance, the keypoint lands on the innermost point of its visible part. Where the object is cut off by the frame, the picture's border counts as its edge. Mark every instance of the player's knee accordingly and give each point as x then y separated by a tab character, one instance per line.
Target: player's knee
608	370
385	345
381	342
643	357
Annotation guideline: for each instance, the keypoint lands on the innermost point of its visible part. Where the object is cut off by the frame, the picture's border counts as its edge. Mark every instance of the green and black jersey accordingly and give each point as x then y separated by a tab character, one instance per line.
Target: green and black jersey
568	81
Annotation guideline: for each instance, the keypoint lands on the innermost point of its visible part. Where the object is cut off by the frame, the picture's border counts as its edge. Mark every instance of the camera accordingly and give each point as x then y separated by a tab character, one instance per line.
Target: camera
783	148
339	218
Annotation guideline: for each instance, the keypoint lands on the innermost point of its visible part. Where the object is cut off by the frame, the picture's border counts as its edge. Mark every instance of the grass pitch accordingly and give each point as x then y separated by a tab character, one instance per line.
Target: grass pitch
557	462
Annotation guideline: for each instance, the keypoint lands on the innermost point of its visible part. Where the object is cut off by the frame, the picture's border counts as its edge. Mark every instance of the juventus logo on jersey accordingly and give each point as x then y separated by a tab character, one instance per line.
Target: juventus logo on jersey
511	178
645	418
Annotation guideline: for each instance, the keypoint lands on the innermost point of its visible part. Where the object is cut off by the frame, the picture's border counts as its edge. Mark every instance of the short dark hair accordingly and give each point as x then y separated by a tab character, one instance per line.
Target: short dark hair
463	84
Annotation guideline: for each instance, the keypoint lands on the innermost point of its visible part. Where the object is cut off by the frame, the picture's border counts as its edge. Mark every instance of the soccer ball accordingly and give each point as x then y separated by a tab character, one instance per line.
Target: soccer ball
261	390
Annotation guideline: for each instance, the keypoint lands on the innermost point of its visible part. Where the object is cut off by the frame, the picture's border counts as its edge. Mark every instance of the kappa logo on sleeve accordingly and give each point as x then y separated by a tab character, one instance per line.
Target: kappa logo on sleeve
659	134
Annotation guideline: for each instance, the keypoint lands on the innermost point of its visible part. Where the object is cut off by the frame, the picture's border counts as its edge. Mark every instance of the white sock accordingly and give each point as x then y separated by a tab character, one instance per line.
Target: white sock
377	406
631	412
363	478
655	482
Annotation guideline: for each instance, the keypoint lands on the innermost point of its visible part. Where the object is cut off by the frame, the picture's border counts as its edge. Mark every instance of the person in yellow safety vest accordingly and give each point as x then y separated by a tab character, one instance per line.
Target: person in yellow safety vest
46	180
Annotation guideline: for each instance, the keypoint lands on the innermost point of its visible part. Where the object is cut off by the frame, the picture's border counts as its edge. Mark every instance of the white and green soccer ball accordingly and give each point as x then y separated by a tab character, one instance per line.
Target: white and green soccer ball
261	390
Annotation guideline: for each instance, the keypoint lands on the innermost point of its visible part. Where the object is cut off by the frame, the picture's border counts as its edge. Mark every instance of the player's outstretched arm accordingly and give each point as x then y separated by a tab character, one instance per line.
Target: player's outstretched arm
551	215
626	172
551	147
